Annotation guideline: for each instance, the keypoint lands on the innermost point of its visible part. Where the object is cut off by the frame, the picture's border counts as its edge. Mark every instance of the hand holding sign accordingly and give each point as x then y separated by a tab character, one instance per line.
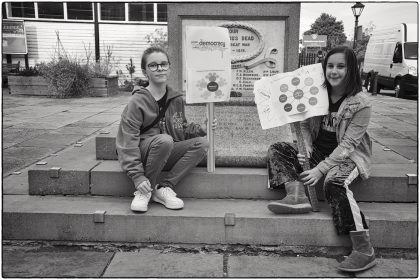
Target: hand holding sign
290	98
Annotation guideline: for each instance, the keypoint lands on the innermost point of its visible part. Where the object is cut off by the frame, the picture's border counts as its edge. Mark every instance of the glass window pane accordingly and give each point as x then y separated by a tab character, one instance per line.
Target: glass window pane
79	10
140	12
162	13
23	9
113	11
50	10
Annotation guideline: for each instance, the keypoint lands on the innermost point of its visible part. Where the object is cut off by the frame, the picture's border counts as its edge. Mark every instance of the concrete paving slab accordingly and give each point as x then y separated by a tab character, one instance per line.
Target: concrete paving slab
379	155
396	142
40	125
201	221
85	131
409	152
54	264
14	135
154	264
52	140
15	158
378	133
84	123
73	178
278	266
16	183
411	134
392	268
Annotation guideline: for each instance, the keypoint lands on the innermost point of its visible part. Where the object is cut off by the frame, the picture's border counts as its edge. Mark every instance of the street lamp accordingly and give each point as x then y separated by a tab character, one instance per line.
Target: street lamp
357	11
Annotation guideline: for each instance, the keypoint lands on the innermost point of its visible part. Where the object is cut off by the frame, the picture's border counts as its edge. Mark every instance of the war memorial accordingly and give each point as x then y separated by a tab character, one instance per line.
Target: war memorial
80	194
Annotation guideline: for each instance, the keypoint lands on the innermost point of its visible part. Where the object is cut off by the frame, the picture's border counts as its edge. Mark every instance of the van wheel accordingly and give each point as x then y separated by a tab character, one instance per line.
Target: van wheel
399	91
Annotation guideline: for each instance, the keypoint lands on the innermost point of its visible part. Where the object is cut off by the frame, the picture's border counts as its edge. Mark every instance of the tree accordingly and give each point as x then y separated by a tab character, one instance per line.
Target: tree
328	25
362	43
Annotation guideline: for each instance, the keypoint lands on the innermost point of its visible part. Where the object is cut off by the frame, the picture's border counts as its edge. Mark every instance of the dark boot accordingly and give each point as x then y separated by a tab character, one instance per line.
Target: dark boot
295	201
363	256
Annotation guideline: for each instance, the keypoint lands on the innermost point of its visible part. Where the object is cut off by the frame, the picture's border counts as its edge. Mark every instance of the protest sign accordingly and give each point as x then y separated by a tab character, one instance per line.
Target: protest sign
291	97
208	64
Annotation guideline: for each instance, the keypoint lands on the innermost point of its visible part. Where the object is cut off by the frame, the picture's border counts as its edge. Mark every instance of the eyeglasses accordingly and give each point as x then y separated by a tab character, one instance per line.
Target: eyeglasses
154	66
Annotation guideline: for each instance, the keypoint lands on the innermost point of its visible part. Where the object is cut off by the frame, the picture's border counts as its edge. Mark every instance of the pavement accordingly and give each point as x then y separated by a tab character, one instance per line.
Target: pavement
33	128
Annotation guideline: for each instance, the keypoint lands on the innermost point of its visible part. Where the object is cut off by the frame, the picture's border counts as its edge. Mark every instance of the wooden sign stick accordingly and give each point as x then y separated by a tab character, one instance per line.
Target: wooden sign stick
211	166
302	150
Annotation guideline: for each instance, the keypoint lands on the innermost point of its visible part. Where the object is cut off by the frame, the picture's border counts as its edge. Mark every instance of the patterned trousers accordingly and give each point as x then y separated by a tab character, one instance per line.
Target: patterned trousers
283	166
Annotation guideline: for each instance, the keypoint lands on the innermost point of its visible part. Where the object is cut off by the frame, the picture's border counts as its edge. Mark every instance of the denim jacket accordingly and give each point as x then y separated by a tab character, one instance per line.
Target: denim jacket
353	118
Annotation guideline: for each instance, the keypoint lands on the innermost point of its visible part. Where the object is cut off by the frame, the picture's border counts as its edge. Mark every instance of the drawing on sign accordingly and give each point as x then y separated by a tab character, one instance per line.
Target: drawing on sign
298	97
290	97
212	83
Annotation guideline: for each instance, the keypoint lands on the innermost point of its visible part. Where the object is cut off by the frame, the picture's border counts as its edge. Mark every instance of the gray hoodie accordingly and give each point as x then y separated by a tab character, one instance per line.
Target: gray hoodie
140	112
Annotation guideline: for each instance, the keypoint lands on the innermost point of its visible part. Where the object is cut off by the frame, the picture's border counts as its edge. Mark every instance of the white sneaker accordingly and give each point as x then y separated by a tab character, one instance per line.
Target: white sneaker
167	197
140	201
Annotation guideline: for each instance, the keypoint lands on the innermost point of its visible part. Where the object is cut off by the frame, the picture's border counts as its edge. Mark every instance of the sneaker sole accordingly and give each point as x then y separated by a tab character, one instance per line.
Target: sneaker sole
139	210
279	208
369	265
163	203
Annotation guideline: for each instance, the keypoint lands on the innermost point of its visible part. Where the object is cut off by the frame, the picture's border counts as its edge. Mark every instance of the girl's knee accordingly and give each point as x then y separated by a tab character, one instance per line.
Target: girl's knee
164	142
202	143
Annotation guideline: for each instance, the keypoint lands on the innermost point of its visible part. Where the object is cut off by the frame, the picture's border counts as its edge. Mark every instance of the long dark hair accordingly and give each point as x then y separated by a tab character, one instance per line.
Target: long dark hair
352	80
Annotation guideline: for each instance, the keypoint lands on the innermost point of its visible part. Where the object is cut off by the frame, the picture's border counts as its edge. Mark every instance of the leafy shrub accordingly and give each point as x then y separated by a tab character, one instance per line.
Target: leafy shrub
158	38
66	78
104	66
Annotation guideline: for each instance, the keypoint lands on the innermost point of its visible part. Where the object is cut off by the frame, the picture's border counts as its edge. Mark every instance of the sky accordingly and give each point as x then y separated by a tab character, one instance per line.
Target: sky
379	13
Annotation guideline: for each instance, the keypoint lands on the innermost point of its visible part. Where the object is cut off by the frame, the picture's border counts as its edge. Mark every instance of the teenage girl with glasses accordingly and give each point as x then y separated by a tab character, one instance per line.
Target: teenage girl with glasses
340	149
147	144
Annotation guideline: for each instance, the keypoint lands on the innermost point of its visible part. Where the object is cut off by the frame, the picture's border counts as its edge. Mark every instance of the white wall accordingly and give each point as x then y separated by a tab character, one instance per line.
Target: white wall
126	40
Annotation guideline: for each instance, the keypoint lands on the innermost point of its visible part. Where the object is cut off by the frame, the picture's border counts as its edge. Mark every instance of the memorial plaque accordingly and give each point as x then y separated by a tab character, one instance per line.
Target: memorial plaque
257	49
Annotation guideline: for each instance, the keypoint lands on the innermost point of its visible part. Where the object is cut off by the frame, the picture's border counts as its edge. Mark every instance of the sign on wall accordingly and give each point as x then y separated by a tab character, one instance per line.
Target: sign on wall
291	97
14	37
314	40
208	58
257	50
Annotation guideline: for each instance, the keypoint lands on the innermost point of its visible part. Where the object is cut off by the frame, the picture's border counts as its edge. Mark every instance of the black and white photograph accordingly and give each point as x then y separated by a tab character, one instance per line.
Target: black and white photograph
210	139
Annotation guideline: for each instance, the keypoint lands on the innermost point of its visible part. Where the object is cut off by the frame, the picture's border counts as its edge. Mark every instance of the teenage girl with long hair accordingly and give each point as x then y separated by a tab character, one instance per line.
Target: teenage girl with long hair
340	149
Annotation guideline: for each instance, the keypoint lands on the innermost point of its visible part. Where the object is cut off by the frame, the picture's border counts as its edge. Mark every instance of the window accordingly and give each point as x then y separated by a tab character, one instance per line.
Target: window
113	11
140	12
50	10
23	9
79	10
162	13
410	50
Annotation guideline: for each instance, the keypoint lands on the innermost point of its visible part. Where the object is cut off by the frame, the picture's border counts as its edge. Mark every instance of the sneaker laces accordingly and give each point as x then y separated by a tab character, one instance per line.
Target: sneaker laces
140	195
168	191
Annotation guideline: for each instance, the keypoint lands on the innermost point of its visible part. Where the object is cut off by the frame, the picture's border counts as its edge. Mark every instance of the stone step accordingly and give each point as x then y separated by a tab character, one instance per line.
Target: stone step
208	221
76	171
241	155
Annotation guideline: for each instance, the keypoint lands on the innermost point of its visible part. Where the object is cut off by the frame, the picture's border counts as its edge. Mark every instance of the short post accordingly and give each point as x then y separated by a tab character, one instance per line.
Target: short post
210	137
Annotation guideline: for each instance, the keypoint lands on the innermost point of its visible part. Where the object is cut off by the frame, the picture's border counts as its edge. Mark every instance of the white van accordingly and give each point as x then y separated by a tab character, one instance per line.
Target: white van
392	54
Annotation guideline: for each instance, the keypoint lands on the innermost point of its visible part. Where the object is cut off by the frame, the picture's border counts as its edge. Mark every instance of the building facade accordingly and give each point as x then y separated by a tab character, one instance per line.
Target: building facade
119	27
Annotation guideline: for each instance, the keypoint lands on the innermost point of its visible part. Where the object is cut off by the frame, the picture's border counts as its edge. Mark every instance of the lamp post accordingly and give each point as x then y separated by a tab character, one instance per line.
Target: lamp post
357	11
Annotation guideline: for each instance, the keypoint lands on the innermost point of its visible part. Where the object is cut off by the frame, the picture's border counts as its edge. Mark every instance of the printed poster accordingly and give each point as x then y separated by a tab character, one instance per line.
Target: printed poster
207	64
291	96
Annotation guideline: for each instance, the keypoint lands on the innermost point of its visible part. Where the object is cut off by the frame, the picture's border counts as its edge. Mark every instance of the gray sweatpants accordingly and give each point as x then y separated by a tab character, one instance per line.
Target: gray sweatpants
160	153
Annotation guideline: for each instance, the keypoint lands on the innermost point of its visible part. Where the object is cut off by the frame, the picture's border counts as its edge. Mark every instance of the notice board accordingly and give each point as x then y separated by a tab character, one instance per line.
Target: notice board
14	37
